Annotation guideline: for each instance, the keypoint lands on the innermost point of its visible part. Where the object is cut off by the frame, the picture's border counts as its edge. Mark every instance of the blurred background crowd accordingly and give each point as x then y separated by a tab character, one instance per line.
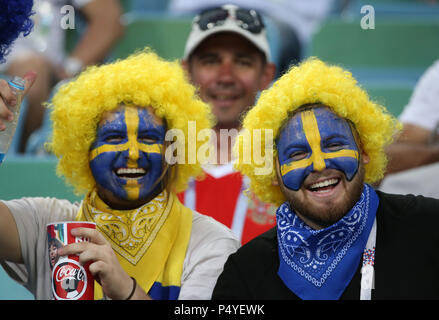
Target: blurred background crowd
390	46
387	60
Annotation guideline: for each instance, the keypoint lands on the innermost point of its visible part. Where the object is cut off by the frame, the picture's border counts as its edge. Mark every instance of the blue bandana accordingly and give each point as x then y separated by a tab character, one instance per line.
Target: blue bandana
319	264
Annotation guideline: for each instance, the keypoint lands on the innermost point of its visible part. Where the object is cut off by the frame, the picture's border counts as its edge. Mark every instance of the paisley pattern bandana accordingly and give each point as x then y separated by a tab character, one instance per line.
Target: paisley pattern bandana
150	242
319	264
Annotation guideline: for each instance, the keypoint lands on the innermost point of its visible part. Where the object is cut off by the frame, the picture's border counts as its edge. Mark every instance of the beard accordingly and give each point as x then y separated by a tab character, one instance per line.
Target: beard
332	213
319	216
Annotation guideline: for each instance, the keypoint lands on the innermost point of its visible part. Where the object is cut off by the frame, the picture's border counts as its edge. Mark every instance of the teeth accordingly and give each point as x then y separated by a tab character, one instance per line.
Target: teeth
121	171
323	184
224	97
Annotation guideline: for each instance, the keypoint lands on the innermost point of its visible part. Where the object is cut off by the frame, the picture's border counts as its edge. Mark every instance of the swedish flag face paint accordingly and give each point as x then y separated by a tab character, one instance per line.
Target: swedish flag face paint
314	140
126	157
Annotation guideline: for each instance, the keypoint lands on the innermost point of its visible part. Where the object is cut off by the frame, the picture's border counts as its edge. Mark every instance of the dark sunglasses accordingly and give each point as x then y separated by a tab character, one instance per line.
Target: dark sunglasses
249	20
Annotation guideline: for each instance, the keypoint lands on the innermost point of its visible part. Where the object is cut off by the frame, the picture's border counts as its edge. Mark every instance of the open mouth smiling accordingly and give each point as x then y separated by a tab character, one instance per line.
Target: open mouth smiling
223	97
324	185
130	173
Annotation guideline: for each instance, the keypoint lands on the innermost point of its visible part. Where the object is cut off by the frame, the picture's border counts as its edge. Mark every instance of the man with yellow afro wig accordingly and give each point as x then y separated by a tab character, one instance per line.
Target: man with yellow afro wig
110	133
324	141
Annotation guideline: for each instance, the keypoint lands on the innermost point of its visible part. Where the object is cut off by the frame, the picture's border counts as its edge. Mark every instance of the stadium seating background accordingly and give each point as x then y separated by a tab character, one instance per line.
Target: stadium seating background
387	61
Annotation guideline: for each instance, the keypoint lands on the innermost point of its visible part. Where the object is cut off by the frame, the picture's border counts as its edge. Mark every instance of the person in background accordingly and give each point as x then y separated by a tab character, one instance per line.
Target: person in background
44	50
227	57
289	24
109	134
414	156
336	237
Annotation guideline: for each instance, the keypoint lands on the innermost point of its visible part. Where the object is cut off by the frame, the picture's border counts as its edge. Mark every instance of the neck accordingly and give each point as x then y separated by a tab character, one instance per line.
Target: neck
315	225
124	204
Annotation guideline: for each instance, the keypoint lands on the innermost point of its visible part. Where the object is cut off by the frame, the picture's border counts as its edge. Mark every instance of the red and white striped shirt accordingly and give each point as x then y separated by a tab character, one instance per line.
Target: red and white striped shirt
221	196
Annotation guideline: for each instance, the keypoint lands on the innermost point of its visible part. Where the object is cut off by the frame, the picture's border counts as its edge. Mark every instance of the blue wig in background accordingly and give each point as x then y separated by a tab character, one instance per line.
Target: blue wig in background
14	20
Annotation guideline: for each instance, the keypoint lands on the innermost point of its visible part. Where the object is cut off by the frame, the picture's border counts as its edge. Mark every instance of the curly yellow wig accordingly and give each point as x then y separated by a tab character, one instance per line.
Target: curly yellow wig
314	82
143	79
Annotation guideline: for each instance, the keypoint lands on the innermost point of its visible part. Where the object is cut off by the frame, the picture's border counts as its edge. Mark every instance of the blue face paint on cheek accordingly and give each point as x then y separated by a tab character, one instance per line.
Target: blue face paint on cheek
150	134
293	148
102	169
106	153
338	143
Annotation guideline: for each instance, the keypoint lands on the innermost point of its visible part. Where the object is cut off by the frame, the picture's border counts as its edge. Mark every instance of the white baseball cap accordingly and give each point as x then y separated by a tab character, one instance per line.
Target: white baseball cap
228	18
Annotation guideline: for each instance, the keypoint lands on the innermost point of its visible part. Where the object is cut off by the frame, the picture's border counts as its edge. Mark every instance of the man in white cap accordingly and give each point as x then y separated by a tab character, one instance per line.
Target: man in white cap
228	58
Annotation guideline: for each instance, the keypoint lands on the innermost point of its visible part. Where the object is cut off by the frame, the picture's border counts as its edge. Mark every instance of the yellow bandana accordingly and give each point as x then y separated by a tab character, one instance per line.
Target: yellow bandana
150	242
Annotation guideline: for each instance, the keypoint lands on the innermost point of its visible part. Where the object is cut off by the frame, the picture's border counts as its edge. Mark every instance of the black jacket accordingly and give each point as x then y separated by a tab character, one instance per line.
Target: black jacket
406	259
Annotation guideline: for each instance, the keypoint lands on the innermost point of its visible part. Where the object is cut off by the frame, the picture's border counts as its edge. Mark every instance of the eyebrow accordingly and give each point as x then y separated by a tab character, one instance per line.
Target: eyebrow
206	54
246	54
294	147
152	130
335	136
110	128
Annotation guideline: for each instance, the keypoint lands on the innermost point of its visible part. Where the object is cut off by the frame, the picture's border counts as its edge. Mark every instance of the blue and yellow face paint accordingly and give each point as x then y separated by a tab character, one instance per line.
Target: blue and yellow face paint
126	157
314	140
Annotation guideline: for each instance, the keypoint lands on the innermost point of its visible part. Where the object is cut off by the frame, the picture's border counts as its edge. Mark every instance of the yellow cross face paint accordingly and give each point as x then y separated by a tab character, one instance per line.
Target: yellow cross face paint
126	157
314	140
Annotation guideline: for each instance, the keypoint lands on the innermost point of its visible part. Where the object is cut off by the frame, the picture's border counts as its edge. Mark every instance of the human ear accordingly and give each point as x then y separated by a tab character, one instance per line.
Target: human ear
365	157
185	65
267	75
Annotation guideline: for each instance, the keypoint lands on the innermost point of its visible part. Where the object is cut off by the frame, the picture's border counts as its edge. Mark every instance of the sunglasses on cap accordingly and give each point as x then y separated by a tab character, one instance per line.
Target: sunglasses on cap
249	20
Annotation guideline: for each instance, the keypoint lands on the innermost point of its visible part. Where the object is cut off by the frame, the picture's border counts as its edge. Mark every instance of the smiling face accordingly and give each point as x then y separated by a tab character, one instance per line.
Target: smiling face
320	166
229	72
126	157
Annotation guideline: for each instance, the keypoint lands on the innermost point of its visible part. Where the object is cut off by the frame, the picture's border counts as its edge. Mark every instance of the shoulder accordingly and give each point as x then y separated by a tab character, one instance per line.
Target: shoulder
40	201
258	259
407	206
44	210
268	239
409	217
210	241
424	100
263	249
209	246
205	228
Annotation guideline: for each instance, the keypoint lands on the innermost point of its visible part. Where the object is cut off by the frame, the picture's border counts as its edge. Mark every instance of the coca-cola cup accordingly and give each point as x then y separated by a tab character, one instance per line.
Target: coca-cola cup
70	279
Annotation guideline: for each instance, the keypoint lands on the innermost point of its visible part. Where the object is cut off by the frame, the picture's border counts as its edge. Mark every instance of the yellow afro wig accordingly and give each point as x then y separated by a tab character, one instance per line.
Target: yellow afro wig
311	82
143	79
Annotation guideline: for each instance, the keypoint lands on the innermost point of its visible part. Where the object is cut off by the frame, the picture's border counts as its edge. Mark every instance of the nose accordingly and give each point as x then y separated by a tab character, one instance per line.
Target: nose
133	153
226	72
318	161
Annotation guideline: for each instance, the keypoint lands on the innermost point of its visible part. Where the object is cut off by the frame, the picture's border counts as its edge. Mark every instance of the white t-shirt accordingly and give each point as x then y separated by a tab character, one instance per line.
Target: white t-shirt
423	107
210	245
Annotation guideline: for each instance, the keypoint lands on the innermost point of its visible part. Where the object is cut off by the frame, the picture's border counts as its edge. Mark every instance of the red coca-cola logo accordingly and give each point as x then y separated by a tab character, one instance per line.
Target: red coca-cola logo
69	280
70	272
